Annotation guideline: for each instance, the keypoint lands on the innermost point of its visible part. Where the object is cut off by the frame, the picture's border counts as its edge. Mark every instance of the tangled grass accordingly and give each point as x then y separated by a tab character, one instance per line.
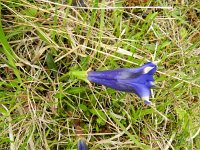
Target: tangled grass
43	107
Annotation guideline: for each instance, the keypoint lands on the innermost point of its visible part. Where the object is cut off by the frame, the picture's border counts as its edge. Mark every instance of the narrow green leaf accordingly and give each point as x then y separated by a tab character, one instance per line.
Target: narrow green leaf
132	137
7	50
51	64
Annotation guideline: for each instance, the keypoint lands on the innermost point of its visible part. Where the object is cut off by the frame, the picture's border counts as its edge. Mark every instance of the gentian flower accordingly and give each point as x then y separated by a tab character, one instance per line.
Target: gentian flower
135	80
82	145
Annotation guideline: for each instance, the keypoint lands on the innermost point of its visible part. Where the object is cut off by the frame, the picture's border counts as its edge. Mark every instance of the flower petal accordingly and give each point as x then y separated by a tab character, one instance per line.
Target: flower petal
151	68
123	73
147	102
136	80
111	74
114	84
143	67
147	69
82	145
141	90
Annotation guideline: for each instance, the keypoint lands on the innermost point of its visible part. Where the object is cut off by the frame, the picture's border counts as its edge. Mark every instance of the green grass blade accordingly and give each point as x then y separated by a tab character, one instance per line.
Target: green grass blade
7	50
132	137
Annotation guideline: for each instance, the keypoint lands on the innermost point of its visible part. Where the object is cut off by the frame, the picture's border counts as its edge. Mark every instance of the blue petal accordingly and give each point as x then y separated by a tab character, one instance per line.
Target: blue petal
111	83
141	90
141	68
111	74
147	102
82	145
142	79
122	73
137	80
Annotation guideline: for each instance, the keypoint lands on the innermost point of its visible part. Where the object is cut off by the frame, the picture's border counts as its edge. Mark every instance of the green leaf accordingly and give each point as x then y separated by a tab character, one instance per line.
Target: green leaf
51	64
83	107
164	44
30	12
7	50
3	111
183	33
102	117
132	137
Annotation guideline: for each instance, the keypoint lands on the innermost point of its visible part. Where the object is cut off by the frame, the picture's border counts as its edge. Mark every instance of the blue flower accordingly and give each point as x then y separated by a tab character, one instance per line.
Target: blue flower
136	80
82	145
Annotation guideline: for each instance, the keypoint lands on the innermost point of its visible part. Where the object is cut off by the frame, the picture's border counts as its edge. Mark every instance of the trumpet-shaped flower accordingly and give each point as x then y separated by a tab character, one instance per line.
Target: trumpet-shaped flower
136	80
82	145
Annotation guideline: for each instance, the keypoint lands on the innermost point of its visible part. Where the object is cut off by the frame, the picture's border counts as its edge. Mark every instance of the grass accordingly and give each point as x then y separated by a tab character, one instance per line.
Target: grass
43	106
